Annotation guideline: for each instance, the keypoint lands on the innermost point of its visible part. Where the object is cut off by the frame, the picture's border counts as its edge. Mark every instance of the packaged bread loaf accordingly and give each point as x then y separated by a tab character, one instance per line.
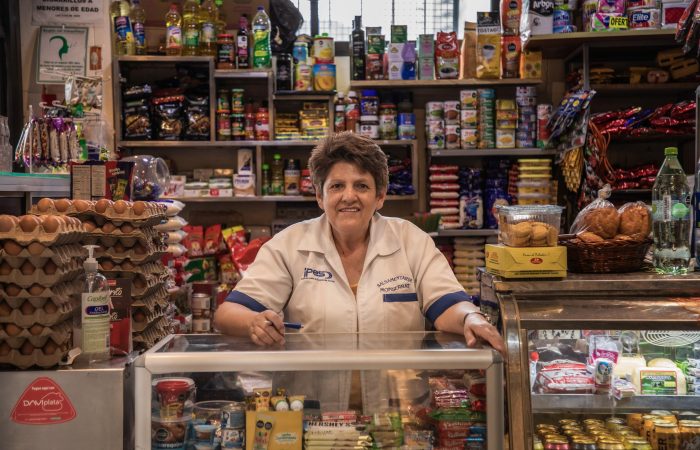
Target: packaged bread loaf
600	217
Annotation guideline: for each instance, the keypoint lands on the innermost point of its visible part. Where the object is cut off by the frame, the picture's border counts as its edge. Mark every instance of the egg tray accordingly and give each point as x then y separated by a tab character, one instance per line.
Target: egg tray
151	317
158	290
159	297
65	272
59	255
152	253
145	236
65	230
120	211
63	312
152	334
126	267
60	333
37	358
59	291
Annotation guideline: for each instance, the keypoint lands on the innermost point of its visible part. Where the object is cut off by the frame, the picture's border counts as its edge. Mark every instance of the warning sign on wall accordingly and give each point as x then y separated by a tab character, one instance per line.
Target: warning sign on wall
63	12
43	403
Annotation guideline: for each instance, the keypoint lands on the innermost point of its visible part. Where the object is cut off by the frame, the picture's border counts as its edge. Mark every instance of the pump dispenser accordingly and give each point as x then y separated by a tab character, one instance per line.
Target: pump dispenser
94	312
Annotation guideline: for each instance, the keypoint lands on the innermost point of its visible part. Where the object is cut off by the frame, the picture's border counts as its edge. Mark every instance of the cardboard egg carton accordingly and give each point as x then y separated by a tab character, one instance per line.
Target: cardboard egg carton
107	266
141	318
23	278
46	230
38	335
142	284
158	290
11	292
49	355
159	297
49	314
151	334
137	213
138	254
59	255
144	236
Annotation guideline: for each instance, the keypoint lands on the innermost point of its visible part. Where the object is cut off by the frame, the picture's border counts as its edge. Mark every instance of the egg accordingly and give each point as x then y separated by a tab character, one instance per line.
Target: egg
139	249
5	268
89	226
118	248
27	348
107	264
27	308
7	223
36	329
62	205
139	316
50	224
27	268
36	290
36	248
81	205
128	265
12	330
12	248
5	309
127	228
108	227
28	223
50	268
50	347
139	283
102	205
120	207
50	307
139	208
5	349
12	290
45	205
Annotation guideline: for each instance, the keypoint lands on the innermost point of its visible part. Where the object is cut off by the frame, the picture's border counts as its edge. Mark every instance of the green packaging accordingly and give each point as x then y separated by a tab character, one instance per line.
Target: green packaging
399	34
375	44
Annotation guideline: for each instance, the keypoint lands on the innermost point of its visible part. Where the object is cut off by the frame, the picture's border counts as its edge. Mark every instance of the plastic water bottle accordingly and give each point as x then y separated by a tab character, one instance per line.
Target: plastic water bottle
262	50
671	215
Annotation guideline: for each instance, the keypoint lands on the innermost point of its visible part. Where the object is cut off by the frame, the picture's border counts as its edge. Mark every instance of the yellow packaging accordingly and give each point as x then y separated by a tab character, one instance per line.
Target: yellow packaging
324	77
488	56
526	262
531	64
286	432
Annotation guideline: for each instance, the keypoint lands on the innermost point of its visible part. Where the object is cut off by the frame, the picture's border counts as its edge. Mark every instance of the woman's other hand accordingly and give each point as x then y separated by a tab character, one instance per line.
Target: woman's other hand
266	329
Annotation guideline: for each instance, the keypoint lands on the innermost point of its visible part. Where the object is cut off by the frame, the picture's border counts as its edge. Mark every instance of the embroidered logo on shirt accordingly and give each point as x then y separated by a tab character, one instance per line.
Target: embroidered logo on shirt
396	283
317	275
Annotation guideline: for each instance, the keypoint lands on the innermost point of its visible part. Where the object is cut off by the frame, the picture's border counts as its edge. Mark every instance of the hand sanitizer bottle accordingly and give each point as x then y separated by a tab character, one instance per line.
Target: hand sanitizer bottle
94	312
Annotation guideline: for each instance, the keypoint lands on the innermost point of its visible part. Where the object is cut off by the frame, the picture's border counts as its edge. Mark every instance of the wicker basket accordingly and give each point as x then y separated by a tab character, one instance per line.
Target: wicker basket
611	256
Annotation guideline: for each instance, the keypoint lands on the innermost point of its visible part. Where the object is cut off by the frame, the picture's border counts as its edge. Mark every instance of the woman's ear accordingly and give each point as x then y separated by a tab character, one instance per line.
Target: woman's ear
319	196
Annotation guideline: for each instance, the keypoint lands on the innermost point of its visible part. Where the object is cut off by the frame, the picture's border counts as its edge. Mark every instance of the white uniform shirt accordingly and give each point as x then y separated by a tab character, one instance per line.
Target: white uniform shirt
405	279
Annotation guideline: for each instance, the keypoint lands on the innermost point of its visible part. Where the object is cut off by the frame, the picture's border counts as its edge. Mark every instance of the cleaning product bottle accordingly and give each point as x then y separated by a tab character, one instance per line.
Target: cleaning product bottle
94	311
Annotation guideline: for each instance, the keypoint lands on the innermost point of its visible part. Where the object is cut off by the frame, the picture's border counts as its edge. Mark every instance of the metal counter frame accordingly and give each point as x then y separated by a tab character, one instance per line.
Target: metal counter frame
158	362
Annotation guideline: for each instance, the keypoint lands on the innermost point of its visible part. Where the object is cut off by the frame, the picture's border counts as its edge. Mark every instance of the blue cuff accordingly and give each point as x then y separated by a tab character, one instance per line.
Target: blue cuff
442	304
245	300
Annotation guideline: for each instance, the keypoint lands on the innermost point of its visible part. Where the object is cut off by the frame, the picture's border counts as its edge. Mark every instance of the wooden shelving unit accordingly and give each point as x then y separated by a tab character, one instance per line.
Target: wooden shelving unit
564	44
427	84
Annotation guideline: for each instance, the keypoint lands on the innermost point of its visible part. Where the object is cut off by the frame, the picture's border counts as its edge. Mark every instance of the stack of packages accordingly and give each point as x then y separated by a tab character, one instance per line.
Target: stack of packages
444	194
40	260
535	182
175	259
337	430
400	177
458	410
487	133
468	257
640	177
314	120
401	55
386	430
287	127
667	120
435	125
469	119
452	122
506	123
526	99
496	192
426	56
471	203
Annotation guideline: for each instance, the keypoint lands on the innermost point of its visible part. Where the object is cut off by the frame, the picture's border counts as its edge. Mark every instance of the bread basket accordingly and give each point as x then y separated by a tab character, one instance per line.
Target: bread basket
609	256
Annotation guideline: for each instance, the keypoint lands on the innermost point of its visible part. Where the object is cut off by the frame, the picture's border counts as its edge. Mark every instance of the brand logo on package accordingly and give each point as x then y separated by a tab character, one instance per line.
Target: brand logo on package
43	403
536	260
317	275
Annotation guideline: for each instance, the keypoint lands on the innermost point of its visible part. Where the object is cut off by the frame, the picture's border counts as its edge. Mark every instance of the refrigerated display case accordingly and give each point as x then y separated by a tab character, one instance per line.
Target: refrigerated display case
652	320
397	372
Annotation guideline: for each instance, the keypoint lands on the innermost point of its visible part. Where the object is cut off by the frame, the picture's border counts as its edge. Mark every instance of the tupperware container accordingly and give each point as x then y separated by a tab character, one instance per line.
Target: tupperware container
529	225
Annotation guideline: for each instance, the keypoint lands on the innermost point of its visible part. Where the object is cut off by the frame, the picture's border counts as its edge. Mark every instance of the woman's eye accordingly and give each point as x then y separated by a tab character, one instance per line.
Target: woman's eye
362	187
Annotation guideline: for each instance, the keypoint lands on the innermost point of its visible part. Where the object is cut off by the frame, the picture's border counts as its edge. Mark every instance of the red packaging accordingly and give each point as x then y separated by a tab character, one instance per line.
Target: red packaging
120	317
443	168
194	241
447	55
227	270
212	240
510	56
510	17
444	186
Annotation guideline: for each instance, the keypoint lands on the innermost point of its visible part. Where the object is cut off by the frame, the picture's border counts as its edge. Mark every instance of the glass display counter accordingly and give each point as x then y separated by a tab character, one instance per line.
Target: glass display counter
592	357
427	388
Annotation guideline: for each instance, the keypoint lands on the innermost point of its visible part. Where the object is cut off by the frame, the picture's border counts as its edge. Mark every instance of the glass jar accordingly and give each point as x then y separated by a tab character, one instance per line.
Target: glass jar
223	101
262	125
306	186
665	435
237	127
223	127
369	127
249	124
689	434
225	51
388	126
369	103
237	101
292	177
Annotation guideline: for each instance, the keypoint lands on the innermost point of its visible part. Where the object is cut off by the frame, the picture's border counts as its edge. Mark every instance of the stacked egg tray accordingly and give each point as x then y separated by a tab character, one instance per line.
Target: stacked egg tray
40	264
128	247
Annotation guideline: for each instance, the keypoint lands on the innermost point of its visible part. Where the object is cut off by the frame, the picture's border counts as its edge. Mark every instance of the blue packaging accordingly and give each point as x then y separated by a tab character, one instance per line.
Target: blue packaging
493	198
407	126
564	29
562	18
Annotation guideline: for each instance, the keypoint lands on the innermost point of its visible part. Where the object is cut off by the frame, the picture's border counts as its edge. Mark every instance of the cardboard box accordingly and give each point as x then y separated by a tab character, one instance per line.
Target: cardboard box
286	433
526	262
394	52
426	68
394	70
426	46
93	180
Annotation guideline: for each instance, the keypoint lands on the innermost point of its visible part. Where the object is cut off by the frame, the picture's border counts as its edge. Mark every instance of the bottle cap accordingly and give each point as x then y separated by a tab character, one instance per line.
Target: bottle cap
266	166
668	151
276	156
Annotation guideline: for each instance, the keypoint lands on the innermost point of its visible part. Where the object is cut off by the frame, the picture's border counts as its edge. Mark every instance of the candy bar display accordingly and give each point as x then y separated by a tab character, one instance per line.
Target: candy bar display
487	116
40	260
640	177
534	182
669	120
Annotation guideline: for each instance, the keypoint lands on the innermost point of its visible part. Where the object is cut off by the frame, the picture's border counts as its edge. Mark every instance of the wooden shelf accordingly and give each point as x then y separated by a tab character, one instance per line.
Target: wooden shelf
270	198
236	144
644	88
651	138
467	233
416	84
166	59
563	44
466	153
243	73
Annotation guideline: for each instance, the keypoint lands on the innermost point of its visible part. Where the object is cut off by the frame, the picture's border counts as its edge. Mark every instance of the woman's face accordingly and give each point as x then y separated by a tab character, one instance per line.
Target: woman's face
349	198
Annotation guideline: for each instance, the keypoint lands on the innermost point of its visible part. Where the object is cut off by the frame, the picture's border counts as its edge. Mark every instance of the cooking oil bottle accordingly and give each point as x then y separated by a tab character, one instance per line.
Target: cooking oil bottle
122	33
220	17
138	22
207	28
173	32
190	28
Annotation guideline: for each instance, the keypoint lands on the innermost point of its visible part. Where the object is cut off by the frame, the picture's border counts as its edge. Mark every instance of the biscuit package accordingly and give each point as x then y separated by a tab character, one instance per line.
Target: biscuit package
529	226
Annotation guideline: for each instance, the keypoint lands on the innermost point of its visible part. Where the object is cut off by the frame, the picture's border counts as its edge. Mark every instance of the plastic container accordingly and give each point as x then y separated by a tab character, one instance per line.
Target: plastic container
533	187
369	104
529	226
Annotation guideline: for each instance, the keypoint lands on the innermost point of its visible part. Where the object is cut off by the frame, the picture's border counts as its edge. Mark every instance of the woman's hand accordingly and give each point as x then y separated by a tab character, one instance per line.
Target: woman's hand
477	328
266	329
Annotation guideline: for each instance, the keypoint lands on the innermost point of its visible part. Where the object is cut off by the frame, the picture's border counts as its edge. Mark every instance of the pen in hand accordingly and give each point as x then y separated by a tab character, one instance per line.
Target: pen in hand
290	325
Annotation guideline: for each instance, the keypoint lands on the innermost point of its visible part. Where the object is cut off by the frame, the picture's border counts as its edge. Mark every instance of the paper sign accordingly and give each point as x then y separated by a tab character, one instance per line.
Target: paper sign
62	51
59	12
43	403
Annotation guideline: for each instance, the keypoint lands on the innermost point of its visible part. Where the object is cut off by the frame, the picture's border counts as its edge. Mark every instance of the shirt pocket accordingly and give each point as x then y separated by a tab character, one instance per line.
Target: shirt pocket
402	312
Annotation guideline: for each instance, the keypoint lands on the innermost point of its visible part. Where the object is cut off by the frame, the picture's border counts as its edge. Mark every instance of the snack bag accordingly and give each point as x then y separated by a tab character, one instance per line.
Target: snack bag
599	220
635	221
510	17
488	46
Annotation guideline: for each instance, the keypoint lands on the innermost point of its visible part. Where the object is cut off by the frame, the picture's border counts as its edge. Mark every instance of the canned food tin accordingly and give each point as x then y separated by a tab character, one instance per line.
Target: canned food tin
451	112
689	434
324	50
468	99
201	325
469	137
666	436
232	438
486	93
525	91
223	127
452	136
223	101
237	101
435	110
469	118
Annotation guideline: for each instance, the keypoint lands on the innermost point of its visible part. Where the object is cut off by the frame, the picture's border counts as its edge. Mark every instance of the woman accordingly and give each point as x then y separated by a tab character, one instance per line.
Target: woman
351	270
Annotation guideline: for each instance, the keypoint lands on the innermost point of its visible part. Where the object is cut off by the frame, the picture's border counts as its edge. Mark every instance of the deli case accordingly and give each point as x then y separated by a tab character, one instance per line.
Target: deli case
593	359
368	390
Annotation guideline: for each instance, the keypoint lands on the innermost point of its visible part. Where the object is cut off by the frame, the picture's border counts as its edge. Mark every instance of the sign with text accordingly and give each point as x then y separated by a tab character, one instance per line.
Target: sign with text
62	51
82	12
43	403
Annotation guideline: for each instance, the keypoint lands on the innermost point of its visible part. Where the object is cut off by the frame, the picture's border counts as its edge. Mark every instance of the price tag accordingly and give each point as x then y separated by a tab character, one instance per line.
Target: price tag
618	23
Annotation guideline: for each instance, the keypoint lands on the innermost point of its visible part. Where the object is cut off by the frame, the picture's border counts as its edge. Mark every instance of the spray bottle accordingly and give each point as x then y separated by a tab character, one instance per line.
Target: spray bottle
94	312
